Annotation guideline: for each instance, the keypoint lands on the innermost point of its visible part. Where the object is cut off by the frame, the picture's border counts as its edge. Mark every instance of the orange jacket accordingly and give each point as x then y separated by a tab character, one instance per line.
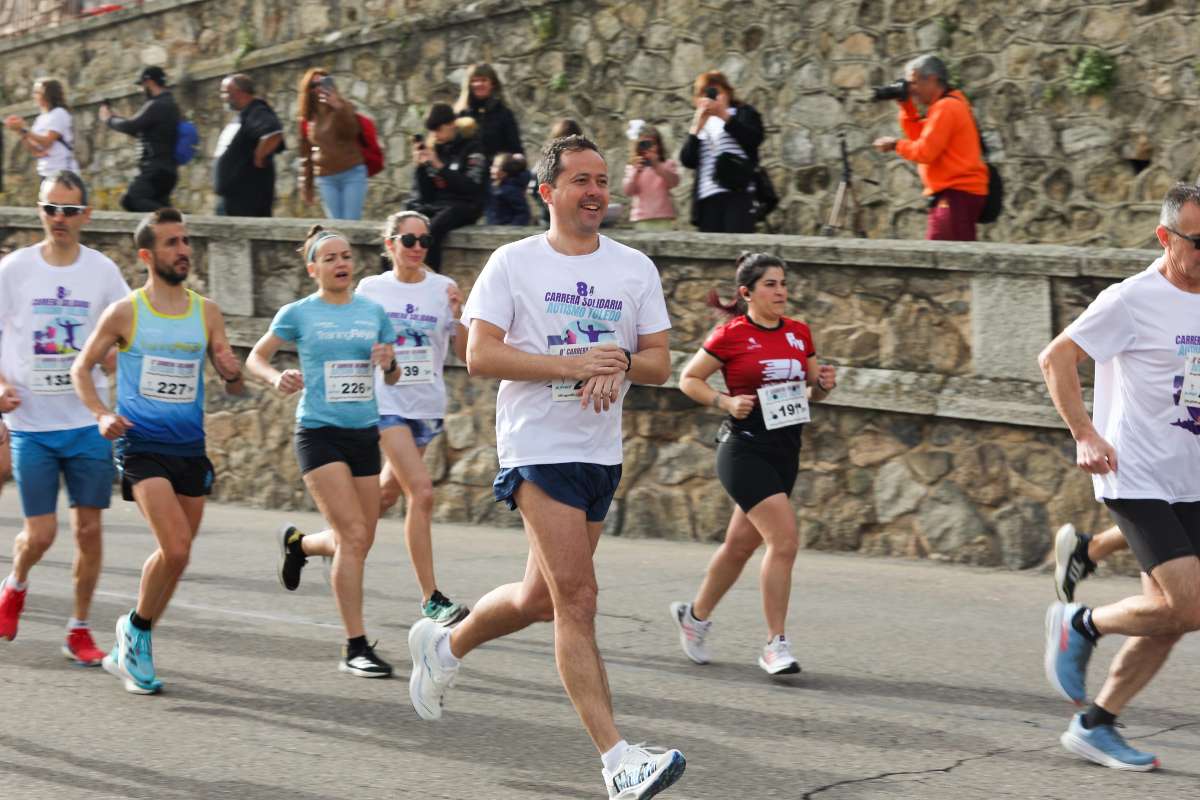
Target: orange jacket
945	145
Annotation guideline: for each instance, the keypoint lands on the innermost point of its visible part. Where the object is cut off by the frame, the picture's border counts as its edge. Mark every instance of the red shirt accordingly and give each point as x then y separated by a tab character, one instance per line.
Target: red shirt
752	356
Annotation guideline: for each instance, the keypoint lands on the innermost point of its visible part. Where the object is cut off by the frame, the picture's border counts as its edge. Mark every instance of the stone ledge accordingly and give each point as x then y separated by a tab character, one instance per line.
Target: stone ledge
979	257
90	25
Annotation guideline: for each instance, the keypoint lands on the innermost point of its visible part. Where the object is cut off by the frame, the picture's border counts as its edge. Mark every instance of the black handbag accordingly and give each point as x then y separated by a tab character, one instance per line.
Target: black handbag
766	199
733	172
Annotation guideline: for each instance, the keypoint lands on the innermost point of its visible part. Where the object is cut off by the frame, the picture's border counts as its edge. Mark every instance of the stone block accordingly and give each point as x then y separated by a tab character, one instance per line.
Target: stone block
656	512
1011	321
460	430
895	491
950	523
231	275
1022	528
929	467
677	462
476	467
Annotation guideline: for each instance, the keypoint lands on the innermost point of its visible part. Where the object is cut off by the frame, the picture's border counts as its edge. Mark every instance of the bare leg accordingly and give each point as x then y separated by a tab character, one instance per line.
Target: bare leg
406	468
506	609
171	518
741	540
1174	608
89	556
1105	543
32	542
332	486
775	521
1139	660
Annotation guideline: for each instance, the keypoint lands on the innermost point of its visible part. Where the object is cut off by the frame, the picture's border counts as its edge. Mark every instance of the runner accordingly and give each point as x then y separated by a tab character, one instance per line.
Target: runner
341	338
51	296
163	331
1143	453
1077	554
424	308
558	433
769	364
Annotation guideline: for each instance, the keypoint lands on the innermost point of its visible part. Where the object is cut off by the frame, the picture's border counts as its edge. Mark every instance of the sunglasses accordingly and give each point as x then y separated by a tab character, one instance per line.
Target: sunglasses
411	239
1195	240
51	209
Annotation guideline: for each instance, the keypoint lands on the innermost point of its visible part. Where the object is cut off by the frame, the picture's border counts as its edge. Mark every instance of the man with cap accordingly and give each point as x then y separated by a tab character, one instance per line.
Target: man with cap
156	127
450	179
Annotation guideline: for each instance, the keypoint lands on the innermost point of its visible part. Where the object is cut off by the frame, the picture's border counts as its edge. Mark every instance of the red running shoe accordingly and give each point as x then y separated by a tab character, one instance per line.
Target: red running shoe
81	648
11	604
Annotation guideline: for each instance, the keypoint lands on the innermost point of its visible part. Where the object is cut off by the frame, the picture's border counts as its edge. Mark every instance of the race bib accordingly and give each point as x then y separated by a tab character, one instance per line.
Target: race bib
51	374
415	364
1190	396
349	381
169	380
567	390
783	404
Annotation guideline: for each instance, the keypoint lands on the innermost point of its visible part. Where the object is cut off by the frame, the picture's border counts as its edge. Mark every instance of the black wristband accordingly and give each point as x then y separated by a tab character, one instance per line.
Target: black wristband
391	368
628	359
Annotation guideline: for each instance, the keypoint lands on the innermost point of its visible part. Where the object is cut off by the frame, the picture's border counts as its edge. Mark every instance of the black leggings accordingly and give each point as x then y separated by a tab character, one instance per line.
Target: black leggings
727	212
752	473
150	190
441	223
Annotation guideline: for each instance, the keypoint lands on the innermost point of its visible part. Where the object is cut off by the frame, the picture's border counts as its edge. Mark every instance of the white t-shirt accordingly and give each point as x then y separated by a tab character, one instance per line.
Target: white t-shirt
1140	332
60	156
545	301
46	315
420	313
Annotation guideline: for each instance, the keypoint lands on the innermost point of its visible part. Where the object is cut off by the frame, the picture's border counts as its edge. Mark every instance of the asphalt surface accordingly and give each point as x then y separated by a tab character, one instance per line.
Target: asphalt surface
920	680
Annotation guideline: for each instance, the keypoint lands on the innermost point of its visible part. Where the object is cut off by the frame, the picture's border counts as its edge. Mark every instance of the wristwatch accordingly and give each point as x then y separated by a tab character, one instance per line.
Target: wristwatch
628	359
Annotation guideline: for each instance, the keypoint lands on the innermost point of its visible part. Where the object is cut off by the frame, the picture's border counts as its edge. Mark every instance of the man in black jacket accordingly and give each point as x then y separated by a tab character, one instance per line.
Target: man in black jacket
244	169
156	126
450	178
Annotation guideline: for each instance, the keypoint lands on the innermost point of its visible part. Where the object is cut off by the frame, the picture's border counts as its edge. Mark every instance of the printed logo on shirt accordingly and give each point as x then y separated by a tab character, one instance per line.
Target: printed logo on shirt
782	369
795	341
60	334
593	334
1189	384
412	327
753	344
366	329
584	303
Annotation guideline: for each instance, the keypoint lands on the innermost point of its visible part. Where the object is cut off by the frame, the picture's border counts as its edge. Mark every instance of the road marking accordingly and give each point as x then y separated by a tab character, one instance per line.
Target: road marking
286	618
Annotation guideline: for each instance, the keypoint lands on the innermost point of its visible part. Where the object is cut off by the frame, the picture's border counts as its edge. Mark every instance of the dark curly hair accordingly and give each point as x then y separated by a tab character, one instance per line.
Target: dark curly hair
551	164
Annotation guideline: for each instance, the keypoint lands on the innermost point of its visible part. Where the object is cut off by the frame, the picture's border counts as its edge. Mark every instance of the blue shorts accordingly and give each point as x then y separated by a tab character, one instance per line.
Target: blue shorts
82	455
586	486
424	431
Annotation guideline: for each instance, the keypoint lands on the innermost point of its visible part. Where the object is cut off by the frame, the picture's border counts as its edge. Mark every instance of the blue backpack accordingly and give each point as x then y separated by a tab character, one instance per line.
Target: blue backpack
187	141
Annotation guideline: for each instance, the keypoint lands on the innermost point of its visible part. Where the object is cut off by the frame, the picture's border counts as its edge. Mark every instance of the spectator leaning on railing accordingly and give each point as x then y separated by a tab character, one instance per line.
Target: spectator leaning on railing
244	172
330	150
722	147
649	179
51	138
945	145
156	126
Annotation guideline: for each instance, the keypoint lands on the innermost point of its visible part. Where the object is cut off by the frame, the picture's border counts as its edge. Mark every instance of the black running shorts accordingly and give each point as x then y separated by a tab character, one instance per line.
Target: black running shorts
751	473
357	448
190	476
1158	531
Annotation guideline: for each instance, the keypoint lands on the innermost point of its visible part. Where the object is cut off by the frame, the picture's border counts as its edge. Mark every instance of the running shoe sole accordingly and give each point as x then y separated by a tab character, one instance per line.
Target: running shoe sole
1065	542
791	669
669	774
283	554
66	651
1082	748
418	635
133	687
678	609
1054	633
361	673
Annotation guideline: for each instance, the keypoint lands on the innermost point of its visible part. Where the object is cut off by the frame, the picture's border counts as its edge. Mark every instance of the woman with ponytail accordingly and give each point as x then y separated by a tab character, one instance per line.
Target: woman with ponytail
771	370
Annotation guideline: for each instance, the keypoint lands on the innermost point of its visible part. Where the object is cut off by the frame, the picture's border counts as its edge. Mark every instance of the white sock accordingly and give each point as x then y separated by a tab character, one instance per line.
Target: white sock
445	657
12	581
73	624
612	759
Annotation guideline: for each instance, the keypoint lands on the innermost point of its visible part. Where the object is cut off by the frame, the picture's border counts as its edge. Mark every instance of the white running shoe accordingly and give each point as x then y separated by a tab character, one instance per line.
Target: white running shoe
777	658
429	681
692	632
644	772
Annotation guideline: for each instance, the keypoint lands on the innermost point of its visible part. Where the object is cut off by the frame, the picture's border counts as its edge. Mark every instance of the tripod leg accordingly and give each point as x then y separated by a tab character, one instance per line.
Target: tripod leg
835	213
856	221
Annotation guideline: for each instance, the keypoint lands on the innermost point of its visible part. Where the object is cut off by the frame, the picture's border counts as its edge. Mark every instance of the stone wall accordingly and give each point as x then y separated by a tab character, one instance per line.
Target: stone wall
1080	168
940	441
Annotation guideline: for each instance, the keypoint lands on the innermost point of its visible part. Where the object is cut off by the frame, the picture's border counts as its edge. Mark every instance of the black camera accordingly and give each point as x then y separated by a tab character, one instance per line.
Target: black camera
644	146
897	90
711	93
418	139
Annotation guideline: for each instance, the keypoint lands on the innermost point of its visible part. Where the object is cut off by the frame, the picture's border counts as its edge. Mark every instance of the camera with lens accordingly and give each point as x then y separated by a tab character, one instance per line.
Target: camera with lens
897	90
644	146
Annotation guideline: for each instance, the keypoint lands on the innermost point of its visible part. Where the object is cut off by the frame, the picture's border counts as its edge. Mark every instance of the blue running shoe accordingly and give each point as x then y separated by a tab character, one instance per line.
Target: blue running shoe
1105	746
132	659
1067	653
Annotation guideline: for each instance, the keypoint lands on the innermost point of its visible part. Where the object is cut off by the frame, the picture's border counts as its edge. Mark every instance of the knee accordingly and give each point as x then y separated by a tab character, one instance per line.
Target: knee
577	602
40	536
87	536
389	495
355	541
421	497
176	557
1186	619
740	550
786	546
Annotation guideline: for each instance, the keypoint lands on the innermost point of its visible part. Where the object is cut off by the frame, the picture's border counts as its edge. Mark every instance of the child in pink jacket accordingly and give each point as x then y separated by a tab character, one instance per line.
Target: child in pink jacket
649	179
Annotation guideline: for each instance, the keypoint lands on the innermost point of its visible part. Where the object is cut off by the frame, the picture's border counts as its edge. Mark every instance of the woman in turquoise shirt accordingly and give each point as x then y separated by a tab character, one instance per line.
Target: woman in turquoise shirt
341	338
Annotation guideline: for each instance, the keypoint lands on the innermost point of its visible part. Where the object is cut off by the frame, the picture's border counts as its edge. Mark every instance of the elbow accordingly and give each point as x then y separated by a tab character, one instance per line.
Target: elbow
1045	361
474	368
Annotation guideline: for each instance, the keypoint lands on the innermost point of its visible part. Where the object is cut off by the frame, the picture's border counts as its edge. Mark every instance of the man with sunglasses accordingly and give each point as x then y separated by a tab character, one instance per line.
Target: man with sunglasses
51	297
1142	448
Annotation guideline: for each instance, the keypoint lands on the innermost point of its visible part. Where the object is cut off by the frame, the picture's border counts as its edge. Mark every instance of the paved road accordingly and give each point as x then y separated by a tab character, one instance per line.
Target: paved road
920	681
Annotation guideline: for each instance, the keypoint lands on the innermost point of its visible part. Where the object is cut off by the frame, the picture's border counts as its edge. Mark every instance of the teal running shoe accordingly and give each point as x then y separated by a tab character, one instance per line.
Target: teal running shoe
443	610
1105	746
132	659
1067	653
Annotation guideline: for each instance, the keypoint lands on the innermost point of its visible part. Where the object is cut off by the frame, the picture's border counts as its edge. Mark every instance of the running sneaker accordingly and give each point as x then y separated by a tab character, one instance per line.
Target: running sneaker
12	603
443	610
132	659
81	648
365	664
692	632
429	682
1067	653
1105	746
644	772
777	658
291	557
1071	562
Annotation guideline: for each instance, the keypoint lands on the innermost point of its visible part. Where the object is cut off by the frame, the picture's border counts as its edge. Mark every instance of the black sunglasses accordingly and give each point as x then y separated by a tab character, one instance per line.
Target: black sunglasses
410	239
51	209
1195	240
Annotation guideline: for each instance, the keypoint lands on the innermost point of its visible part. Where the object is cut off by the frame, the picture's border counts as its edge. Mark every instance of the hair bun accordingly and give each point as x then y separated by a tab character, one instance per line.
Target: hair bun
314	230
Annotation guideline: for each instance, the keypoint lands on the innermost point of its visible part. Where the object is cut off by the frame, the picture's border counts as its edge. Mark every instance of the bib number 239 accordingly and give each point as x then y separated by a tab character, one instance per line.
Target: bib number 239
783	404
349	381
169	380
